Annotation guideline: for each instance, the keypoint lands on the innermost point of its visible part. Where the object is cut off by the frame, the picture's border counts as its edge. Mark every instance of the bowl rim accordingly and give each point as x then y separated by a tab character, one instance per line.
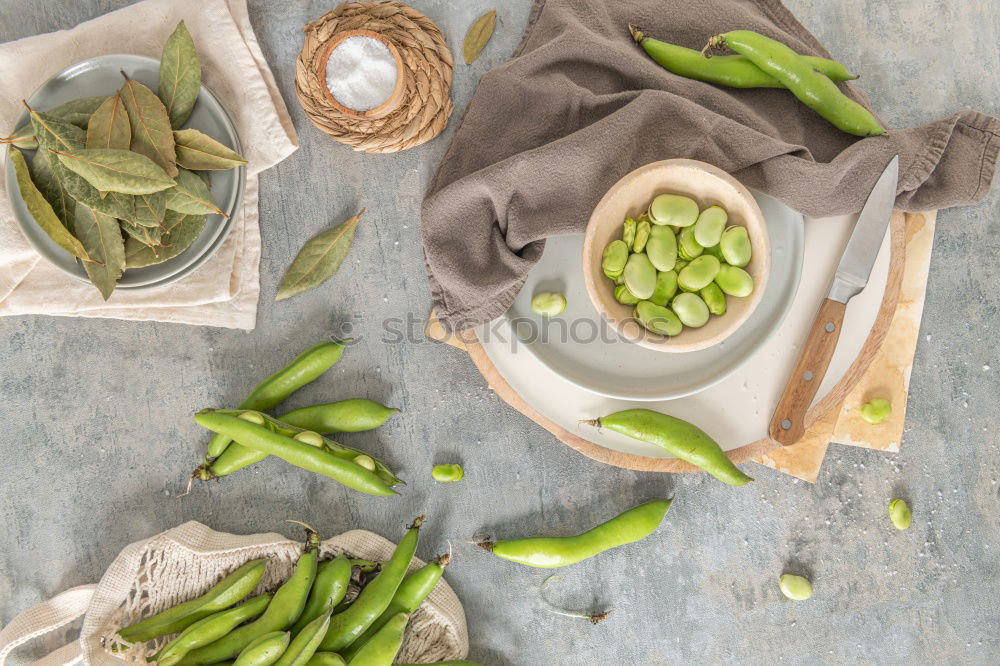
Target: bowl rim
654	341
221	234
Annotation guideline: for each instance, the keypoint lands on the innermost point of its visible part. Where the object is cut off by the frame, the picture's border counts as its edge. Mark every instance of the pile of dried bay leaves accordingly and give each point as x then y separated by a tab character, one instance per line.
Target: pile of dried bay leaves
115	180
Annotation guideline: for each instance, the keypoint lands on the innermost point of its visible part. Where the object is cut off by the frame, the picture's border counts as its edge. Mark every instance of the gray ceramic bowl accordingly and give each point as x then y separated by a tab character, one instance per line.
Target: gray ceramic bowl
102	75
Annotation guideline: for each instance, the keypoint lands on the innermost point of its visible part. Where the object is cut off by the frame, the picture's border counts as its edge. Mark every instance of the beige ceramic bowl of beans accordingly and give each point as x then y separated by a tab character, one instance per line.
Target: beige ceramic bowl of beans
631	196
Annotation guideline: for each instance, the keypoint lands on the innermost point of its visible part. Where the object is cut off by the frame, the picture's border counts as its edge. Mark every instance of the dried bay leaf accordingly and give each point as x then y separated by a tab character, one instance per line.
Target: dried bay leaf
200	152
102	237
52	188
117	170
109	126
149	236
150	209
42	210
191	195
55	134
77	111
182	232
152	134
114	204
318	259
478	36
180	76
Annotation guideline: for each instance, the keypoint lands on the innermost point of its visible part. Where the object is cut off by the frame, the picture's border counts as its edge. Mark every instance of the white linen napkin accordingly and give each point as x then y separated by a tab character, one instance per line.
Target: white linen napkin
223	291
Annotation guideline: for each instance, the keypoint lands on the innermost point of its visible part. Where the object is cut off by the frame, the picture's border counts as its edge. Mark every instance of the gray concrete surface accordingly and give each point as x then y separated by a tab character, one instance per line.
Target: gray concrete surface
97	436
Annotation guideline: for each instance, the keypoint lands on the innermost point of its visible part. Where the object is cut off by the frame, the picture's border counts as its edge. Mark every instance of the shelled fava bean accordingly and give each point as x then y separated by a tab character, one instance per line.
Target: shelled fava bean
677	264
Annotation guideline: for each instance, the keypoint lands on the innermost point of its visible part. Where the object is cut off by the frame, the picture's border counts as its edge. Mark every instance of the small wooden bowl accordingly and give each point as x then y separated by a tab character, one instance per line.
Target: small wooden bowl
706	184
395	98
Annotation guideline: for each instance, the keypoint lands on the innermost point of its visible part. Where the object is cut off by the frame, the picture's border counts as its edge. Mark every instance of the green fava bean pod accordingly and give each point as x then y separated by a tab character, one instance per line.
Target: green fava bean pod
552	552
710	225
690	309
382	648
680	438
714	298
673	209
305	368
624	296
734	281
412	592
699	273
666	287
614	258
813	89
299	454
662	248
733	71
687	247
640	276
375	597
354	415
237	457
658	319
326	659
329	589
285	607
628	231
735	246
224	594
265	650
210	629
306	642
642	230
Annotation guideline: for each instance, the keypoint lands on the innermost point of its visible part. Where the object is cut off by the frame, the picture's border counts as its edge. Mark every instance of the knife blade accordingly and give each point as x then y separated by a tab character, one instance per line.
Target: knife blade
788	421
859	257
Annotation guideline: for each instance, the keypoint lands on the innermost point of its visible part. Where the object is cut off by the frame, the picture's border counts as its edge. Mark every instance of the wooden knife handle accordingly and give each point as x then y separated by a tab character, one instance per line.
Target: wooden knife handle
788	422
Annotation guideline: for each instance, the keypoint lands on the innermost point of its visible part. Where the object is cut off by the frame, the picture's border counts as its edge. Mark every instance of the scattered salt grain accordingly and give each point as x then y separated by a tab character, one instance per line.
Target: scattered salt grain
361	73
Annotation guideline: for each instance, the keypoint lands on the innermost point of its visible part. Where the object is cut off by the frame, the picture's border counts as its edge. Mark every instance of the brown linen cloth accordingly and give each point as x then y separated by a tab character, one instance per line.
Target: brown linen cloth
580	105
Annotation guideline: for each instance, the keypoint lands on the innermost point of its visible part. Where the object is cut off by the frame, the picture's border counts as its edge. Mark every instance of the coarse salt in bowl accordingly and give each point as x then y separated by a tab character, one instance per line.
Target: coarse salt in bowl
364	74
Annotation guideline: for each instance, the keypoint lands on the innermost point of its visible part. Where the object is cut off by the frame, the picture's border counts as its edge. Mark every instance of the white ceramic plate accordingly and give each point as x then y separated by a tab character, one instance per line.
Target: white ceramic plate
582	348
736	411
102	75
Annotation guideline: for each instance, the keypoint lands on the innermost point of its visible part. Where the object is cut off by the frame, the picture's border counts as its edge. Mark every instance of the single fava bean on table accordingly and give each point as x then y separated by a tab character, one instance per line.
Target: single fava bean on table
876	411
548	303
900	514
676	436
447	473
551	552
795	587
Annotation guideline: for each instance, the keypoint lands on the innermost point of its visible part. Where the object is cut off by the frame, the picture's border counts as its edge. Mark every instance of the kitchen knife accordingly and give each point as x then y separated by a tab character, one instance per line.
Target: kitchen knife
788	422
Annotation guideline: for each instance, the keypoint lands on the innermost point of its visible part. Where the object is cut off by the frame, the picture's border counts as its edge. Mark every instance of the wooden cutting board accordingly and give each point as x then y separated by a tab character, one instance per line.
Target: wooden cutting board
886	374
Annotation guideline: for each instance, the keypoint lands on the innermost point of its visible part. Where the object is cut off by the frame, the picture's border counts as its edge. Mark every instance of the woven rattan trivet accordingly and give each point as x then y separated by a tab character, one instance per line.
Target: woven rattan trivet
421	109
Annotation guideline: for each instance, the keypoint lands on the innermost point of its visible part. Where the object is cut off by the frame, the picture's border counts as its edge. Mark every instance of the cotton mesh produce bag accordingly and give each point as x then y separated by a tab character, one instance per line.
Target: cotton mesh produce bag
182	563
